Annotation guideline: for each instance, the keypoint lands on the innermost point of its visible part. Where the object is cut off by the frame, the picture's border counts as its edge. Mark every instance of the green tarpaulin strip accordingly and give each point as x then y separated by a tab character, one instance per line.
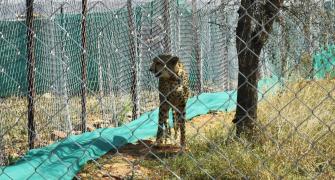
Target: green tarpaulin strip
324	63
63	160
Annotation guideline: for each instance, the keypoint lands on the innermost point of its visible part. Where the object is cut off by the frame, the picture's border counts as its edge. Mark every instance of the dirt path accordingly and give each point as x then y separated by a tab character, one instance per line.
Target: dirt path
126	162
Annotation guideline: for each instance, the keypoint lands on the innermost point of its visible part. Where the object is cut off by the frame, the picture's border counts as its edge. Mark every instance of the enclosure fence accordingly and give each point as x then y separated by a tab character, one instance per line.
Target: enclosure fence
77	99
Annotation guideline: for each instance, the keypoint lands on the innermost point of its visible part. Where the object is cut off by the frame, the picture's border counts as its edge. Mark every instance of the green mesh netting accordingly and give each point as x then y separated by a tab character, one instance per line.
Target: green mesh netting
324	63
64	159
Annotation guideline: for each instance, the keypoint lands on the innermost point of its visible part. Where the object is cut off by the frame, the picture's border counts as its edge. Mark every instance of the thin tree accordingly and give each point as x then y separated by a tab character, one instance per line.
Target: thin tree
83	66
254	25
31	73
133	55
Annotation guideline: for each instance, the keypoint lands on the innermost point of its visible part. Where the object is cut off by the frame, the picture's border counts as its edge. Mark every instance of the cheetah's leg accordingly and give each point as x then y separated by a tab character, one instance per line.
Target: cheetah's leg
162	118
167	130
175	123
181	124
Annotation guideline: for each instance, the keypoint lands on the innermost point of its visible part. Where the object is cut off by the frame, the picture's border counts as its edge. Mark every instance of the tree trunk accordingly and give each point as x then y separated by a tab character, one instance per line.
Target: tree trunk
31	73
254	25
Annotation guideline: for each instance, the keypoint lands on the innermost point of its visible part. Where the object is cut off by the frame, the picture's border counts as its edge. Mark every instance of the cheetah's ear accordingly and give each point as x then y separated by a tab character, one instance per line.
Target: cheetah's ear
174	60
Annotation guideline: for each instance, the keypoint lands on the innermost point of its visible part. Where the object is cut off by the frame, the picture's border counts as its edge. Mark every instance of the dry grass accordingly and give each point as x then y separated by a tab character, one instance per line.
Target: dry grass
299	141
50	114
129	162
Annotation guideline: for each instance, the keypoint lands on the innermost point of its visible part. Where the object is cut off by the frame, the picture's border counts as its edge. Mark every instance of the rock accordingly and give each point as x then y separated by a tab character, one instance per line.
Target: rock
107	166
98	124
47	96
76	132
83	175
90	128
78	129
129	114
55	135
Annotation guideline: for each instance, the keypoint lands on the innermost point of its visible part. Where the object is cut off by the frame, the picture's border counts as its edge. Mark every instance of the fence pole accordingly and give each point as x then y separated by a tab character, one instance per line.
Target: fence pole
133	54
101	90
83	66
31	73
2	146
197	48
64	77
225	33
166	24
113	92
177	28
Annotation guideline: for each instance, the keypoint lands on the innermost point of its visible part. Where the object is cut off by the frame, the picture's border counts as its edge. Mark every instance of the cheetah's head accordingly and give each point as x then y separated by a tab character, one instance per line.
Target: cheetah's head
164	66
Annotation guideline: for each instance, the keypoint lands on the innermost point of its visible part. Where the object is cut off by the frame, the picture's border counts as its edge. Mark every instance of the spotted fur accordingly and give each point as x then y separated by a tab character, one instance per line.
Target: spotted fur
174	92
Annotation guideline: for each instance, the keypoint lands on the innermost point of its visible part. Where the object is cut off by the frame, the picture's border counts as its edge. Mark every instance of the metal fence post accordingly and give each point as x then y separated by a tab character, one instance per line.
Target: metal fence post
197	49
133	54
2	147
225	63
167	30
64	77
31	73
100	77
83	66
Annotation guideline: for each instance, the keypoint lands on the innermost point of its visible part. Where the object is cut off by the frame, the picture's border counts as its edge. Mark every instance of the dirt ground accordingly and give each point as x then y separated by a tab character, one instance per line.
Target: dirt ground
126	162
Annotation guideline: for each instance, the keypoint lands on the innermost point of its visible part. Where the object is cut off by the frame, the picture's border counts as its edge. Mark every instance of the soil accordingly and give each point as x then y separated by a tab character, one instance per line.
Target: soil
126	162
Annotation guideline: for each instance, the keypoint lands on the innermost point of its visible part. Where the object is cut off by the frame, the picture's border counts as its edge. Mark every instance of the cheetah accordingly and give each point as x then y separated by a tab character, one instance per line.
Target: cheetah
174	92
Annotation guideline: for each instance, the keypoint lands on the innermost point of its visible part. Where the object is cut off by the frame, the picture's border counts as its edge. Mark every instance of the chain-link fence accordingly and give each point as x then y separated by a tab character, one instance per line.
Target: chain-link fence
77	99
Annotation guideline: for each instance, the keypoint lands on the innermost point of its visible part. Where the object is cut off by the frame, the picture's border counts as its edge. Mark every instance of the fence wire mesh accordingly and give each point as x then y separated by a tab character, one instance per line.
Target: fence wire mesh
268	61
